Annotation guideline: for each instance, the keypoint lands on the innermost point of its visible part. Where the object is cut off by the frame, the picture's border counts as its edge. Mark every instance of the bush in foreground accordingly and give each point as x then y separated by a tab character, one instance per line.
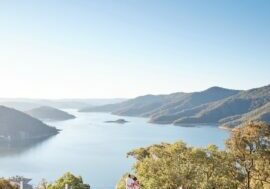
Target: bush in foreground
73	182
4	184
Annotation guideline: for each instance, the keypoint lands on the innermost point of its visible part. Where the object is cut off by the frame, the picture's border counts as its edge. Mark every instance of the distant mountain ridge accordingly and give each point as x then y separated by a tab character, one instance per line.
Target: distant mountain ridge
140	106
16	125
215	105
239	104
25	104
47	113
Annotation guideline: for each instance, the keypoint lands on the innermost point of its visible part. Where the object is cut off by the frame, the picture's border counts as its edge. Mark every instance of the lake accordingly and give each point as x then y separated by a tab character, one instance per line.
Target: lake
96	150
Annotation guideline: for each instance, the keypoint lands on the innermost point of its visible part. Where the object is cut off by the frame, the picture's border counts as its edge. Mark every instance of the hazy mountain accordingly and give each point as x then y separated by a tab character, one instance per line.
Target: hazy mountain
140	106
166	108
24	104
190	104
16	125
245	105
18	105
155	105
215	105
49	113
103	108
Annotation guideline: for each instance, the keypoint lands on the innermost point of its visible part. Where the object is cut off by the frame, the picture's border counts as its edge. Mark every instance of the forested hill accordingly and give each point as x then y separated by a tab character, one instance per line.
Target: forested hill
244	106
16	125
49	113
215	105
151	104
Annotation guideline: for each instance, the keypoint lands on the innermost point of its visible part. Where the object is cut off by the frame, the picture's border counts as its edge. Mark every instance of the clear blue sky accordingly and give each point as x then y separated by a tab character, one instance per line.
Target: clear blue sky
125	48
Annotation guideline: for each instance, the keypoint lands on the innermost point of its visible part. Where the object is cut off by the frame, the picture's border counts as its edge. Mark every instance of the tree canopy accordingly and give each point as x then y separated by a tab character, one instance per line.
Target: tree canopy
243	165
74	182
250	147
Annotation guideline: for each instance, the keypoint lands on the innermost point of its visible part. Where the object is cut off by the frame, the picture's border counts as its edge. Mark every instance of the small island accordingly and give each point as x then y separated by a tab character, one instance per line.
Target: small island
120	121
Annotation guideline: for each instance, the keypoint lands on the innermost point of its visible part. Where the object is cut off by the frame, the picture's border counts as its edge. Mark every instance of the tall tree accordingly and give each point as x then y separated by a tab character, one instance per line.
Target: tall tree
250	146
170	166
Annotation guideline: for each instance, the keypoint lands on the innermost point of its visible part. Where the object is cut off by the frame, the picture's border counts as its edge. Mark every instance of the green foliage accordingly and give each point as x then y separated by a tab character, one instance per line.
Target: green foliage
250	146
170	166
43	184
122	182
71	180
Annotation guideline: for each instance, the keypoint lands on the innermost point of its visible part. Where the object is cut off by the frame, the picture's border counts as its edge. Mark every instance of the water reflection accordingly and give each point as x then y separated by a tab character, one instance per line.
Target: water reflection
13	148
96	150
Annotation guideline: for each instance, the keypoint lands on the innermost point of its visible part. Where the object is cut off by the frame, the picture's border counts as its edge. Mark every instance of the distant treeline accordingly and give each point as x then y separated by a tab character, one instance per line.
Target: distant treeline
216	105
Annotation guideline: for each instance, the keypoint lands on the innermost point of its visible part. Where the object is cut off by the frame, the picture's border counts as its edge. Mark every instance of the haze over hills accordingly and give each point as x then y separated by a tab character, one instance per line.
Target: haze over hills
139	106
239	104
49	114
25	104
19	105
154	105
16	125
215	105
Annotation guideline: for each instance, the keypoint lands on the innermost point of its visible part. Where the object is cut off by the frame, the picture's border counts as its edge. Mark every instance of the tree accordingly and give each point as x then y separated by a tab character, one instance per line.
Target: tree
4	184
43	184
122	182
170	166
250	146
72	181
245	164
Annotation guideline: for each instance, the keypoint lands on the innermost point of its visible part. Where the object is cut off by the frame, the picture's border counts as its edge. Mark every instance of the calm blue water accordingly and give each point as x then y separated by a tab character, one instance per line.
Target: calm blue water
96	150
